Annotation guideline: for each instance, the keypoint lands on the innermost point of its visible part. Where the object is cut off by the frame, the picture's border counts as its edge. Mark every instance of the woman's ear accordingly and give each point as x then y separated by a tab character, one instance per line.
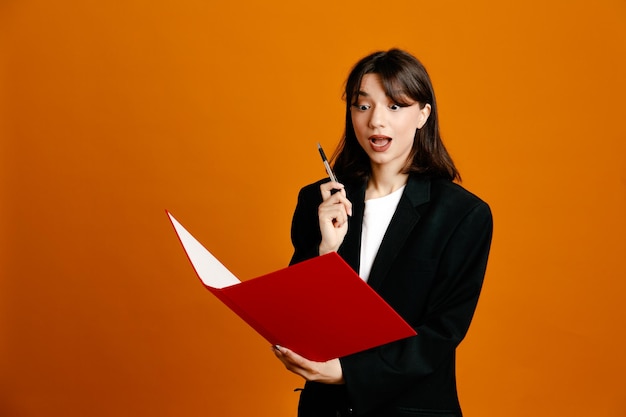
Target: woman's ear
423	116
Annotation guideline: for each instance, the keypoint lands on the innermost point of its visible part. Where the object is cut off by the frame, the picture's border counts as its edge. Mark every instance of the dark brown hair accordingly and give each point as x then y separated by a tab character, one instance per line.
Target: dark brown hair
402	76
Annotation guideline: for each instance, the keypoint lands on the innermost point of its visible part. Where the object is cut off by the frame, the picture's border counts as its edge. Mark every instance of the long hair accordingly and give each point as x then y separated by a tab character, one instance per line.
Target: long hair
402	76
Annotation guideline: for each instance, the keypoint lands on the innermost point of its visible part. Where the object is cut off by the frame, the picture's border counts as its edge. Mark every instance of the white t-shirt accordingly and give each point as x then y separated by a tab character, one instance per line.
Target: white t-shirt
376	219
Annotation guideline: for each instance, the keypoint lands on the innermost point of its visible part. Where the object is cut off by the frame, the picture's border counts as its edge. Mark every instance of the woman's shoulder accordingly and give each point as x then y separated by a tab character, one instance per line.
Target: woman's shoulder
310	194
312	190
455	200
314	185
452	190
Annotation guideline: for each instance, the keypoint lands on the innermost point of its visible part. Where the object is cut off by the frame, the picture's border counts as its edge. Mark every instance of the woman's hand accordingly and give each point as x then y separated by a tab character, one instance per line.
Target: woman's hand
325	372
333	216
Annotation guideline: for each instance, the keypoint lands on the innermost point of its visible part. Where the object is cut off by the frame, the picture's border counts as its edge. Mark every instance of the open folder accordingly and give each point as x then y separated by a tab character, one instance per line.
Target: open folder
319	308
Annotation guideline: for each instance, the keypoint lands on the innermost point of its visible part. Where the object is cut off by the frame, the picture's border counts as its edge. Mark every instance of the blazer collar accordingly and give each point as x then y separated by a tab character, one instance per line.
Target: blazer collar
416	192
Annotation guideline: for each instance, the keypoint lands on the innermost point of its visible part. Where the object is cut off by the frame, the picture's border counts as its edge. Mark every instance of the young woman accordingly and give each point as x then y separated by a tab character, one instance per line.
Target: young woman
417	237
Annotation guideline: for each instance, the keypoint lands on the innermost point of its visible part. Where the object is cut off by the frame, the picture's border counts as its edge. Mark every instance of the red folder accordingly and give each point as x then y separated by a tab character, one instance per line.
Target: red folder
319	308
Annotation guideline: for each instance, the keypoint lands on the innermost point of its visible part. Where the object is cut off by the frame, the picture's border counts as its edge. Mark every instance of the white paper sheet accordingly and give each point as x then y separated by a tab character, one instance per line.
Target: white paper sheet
211	271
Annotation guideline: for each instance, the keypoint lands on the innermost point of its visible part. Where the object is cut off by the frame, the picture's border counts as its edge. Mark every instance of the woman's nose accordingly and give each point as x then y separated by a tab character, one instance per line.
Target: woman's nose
377	118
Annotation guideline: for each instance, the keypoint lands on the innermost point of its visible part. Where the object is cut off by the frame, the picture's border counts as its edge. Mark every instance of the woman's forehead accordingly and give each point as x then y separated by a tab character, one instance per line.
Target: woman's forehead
392	88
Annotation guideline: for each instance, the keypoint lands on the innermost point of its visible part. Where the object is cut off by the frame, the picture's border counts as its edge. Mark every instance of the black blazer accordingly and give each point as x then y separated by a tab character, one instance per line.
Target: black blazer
430	269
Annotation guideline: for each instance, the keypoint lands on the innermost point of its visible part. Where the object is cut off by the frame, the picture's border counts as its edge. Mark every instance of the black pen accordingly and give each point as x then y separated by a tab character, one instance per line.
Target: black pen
326	164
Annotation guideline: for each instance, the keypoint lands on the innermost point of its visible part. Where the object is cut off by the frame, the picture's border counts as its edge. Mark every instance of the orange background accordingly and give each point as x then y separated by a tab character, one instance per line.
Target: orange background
113	111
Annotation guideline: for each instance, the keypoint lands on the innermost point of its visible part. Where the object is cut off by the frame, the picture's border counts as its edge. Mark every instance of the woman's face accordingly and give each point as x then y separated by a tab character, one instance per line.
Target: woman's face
385	129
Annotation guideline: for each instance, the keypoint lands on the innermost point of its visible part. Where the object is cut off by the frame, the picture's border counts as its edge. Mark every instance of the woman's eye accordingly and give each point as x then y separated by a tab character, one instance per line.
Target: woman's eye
362	107
395	106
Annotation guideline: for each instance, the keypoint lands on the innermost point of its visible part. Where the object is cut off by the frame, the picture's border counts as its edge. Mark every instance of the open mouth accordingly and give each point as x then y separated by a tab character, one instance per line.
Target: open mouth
379	142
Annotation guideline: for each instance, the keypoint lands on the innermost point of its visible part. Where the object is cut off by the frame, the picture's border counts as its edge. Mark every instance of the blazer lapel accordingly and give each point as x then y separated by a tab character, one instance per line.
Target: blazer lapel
405	218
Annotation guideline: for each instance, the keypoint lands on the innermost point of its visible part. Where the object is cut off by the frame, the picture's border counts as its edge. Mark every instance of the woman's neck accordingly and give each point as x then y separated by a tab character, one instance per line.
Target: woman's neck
383	183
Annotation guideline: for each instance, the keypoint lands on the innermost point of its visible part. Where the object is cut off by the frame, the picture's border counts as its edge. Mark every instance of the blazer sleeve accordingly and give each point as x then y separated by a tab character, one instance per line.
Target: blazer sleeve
305	232
374	377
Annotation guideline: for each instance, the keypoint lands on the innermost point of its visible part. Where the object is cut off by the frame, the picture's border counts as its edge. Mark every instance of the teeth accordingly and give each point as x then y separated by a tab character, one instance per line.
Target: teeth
380	141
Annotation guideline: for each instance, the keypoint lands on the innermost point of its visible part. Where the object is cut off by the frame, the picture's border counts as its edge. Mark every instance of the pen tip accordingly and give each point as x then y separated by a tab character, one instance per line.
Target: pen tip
319	146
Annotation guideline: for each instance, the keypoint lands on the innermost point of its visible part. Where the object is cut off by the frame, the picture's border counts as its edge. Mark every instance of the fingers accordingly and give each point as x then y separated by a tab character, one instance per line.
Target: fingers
329	372
292	361
338	198
328	187
333	214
